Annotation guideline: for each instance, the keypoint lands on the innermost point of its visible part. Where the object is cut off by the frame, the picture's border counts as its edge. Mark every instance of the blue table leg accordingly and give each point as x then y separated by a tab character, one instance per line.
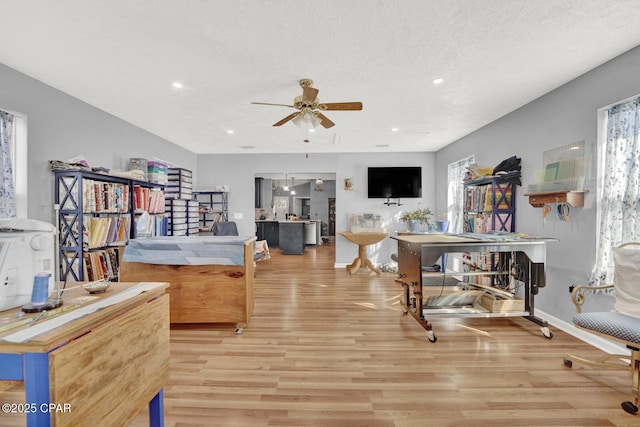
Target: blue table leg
36	387
156	410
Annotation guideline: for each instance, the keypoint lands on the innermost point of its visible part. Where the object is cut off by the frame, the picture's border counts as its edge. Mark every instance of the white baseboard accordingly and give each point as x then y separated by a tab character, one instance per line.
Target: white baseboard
340	265
603	344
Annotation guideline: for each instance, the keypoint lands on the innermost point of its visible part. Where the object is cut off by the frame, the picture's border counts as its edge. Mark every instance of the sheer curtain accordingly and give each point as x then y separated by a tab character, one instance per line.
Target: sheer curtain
455	193
619	218
7	193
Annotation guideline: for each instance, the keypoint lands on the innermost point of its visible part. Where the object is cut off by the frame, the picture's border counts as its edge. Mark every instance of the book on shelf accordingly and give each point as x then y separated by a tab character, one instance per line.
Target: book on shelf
151	200
100	196
502	197
480	198
155	226
104	231
96	265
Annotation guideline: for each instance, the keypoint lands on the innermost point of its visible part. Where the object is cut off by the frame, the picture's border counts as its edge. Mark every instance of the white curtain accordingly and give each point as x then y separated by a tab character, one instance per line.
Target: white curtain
7	192
455	193
619	208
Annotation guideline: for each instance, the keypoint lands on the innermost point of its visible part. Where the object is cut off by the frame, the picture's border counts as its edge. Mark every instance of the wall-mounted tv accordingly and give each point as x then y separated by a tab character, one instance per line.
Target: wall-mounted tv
394	182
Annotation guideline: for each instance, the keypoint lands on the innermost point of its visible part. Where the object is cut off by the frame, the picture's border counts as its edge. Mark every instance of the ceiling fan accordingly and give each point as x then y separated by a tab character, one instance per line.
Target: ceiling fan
310	107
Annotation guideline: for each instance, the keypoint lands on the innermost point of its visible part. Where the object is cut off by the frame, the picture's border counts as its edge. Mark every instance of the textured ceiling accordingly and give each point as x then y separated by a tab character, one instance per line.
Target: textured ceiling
494	56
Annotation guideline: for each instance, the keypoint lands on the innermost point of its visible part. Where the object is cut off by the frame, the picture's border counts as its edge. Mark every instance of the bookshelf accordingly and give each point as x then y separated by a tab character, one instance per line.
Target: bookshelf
96	214
212	204
489	205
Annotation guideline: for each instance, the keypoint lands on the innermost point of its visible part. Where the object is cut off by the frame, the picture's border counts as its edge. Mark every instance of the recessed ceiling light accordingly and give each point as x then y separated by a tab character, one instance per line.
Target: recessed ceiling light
312	130
247	147
438	81
382	145
394	130
230	131
177	85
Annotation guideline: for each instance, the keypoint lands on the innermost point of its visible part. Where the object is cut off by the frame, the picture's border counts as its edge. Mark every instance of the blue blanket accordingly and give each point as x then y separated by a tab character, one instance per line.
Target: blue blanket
189	250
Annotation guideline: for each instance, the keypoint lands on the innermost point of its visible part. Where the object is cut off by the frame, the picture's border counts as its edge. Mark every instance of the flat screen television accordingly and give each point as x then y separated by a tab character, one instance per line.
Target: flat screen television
394	182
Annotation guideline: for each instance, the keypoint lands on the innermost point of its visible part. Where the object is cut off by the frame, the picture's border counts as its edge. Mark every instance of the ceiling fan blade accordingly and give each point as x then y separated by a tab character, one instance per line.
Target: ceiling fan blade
309	94
324	121
341	106
279	105
286	119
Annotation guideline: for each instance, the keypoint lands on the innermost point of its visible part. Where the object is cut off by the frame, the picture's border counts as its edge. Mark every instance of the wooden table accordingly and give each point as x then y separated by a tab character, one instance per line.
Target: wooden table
203	293
363	240
100	368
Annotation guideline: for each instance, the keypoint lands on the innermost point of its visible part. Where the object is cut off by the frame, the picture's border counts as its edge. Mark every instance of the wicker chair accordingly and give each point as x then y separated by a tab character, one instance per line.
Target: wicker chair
621	325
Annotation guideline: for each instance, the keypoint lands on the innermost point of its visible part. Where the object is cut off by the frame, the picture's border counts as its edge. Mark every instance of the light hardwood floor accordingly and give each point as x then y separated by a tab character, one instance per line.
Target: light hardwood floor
324	348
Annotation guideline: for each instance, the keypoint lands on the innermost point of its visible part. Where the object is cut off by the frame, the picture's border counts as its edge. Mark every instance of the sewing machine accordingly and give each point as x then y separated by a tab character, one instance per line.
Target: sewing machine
27	247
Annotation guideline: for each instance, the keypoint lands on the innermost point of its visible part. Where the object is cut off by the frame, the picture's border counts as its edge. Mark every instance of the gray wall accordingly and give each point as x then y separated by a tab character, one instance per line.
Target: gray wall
238	172
320	200
61	126
563	116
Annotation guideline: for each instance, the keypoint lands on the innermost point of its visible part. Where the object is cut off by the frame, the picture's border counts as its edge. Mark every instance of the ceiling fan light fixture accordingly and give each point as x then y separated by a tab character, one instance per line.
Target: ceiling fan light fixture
297	120
306	119
310	109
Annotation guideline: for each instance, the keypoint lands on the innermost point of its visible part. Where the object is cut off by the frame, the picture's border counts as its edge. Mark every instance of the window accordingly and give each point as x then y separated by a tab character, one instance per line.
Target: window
455	196
20	164
618	184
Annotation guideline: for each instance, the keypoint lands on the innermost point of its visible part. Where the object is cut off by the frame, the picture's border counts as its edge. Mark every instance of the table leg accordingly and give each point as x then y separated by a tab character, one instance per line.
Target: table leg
354	266
156	410
371	267
364	259
36	387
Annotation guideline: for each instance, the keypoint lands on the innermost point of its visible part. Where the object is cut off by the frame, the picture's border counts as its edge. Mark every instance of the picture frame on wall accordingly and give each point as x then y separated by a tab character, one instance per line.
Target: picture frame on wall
348	184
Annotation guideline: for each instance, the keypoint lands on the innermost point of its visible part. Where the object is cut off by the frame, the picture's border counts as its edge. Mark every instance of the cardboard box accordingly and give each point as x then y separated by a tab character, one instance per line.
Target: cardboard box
498	304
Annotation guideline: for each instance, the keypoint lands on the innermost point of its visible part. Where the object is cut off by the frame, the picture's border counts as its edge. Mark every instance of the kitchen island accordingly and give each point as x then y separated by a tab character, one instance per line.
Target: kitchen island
291	236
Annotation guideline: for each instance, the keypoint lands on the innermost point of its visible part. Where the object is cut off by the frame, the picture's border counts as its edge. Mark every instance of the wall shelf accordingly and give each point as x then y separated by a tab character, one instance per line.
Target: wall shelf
573	198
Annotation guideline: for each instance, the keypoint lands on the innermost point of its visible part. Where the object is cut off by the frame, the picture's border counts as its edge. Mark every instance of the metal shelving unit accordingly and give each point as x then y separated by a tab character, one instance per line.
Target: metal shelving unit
73	211
212	204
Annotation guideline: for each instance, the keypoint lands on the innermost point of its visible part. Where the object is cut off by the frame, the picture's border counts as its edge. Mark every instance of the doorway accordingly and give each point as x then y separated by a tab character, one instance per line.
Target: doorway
302	207
303	193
